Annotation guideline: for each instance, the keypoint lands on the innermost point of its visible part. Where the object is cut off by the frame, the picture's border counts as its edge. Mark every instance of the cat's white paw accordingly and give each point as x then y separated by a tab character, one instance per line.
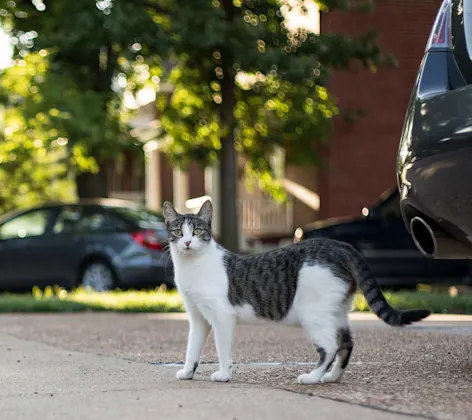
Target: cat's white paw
308	378
183	374
220	377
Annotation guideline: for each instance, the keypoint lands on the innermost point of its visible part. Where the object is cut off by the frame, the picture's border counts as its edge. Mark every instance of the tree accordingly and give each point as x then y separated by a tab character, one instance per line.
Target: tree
94	51
32	167
245	83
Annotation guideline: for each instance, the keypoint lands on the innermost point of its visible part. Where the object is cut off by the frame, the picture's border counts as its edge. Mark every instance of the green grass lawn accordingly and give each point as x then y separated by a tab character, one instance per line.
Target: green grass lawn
58	300
437	302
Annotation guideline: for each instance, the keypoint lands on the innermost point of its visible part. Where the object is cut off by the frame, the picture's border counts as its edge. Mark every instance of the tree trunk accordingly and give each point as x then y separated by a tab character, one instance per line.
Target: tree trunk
229	220
92	185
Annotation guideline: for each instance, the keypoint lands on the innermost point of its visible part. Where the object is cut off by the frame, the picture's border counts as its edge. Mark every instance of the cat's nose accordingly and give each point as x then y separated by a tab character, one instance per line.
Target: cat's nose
188	243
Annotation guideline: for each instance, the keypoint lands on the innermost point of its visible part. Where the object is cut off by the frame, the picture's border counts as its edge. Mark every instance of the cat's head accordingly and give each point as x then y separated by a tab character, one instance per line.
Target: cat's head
189	234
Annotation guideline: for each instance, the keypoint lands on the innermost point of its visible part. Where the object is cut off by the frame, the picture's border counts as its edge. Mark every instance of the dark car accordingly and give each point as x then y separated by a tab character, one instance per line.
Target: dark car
98	244
379	234
434	163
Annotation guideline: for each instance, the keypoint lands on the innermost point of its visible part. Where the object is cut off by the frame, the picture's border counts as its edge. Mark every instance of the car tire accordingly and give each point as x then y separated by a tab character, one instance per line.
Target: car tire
97	276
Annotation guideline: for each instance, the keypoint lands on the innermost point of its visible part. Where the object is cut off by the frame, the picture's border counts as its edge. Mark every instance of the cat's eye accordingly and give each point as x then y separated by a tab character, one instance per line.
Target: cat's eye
177	232
197	232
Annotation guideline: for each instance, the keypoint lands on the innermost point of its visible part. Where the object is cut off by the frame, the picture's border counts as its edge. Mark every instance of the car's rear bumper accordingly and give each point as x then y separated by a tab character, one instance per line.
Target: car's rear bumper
437	188
147	270
433	161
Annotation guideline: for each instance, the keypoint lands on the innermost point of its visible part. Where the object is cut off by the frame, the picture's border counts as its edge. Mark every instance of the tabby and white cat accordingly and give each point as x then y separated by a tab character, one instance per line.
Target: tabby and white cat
310	284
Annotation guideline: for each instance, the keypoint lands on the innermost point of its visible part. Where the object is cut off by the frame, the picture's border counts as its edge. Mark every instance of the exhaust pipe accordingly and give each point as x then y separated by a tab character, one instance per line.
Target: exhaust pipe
436	243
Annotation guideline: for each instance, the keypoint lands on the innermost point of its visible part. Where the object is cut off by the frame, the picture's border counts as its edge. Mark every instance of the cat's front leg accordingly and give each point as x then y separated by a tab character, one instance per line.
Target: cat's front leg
198	333
223	328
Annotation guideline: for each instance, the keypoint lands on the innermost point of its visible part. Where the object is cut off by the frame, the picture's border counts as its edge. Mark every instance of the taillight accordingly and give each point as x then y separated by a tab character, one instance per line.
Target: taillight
441	35
147	238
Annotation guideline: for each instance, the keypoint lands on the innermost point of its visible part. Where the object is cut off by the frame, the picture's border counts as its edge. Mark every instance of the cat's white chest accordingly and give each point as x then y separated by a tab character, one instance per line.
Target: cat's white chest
204	272
204	282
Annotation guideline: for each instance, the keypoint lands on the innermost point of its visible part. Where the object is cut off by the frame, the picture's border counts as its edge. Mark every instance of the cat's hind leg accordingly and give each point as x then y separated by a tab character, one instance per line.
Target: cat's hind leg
342	357
324	339
345	344
319	303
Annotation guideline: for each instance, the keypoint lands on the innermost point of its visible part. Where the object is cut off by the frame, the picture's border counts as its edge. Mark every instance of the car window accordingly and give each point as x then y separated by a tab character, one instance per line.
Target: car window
26	225
144	219
79	219
141	217
461	24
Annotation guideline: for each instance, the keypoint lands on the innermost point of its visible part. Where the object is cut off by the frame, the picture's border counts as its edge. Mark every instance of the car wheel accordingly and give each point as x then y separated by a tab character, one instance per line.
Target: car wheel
97	276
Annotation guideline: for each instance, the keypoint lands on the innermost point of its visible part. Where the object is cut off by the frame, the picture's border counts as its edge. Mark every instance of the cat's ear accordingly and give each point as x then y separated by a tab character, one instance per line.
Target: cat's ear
169	212
206	212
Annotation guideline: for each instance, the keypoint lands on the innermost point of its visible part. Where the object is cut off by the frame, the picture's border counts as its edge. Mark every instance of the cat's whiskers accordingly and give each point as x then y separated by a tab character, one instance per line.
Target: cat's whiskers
165	251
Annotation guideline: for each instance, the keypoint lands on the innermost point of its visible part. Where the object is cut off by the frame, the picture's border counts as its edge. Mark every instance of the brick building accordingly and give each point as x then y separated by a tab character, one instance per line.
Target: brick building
363	155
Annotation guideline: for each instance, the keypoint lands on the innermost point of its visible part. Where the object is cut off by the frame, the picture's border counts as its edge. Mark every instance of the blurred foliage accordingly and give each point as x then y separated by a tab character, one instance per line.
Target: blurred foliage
243	54
238	71
73	63
33	168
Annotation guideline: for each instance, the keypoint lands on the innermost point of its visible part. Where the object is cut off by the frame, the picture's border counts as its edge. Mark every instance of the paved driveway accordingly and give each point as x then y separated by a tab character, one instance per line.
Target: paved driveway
111	366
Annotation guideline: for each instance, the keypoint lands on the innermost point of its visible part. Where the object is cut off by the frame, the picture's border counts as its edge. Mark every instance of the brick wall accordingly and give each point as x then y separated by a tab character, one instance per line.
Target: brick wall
363	155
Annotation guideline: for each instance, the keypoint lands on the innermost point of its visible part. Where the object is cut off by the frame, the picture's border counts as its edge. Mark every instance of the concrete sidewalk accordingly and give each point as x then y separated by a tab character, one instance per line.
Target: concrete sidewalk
43	382
424	369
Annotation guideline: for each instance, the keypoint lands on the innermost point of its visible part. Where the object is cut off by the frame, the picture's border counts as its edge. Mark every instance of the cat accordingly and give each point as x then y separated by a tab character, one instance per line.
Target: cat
310	284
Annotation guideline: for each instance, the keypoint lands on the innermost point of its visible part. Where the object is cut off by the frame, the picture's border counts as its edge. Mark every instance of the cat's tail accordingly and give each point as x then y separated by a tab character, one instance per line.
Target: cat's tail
366	281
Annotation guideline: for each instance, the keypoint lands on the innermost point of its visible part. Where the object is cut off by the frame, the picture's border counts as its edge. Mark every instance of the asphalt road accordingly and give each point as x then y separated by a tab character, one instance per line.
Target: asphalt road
109	366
